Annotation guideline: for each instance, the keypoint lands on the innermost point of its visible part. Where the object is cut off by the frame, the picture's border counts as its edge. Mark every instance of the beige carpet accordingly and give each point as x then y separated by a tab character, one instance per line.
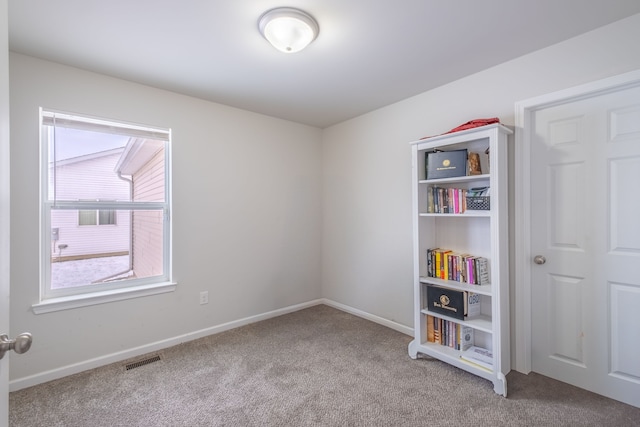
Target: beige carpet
315	367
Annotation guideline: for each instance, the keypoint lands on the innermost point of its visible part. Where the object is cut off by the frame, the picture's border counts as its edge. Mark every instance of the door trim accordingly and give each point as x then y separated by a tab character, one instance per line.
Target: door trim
524	111
5	211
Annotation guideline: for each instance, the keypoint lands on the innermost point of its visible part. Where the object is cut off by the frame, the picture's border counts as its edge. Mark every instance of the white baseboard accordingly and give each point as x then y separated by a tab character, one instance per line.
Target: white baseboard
372	317
64	371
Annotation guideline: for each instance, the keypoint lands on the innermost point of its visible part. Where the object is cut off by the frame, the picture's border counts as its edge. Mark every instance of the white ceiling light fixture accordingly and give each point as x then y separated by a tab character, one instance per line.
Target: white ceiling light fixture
287	29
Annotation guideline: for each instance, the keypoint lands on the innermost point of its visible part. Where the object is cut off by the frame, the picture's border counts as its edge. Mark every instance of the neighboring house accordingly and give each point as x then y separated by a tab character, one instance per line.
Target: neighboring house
144	161
89	234
134	172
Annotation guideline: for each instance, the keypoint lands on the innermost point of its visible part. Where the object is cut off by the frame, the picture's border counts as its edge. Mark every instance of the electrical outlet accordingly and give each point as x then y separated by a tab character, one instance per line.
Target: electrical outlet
204	297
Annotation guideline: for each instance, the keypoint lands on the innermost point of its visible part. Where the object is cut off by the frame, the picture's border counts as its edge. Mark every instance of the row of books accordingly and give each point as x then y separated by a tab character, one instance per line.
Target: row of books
458	337
446	200
449	334
464	268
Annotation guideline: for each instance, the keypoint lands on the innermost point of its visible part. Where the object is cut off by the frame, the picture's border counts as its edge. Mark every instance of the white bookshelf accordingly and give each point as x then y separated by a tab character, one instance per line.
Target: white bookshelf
478	232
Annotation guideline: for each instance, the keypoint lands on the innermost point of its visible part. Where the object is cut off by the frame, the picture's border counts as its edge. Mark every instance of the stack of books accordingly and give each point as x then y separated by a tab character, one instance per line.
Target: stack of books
465	268
478	356
446	200
449	334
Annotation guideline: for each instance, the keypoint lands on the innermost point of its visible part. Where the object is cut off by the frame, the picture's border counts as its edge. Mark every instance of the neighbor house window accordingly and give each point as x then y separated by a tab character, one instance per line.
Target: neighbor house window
95	173
97	217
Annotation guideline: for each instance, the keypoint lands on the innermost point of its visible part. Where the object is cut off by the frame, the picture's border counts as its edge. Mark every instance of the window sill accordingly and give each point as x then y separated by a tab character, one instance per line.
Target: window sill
84	300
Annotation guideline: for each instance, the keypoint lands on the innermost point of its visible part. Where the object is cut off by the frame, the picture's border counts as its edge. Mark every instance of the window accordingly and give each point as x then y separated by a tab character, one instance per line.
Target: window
105	207
97	217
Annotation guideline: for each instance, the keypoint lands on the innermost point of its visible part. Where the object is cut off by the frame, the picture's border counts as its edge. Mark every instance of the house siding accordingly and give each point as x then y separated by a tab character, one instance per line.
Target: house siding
148	185
73	182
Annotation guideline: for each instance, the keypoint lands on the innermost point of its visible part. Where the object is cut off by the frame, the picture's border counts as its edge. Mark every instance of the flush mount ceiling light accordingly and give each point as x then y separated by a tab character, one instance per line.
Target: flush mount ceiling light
287	29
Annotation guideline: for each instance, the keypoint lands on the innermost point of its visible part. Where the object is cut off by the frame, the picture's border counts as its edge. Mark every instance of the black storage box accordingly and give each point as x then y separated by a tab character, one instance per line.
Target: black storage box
446	164
446	301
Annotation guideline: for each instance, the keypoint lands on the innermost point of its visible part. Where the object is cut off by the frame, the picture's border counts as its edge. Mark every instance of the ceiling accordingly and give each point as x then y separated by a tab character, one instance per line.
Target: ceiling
369	53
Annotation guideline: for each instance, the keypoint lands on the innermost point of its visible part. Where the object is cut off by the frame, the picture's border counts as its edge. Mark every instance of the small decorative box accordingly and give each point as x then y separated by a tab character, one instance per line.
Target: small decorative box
478	203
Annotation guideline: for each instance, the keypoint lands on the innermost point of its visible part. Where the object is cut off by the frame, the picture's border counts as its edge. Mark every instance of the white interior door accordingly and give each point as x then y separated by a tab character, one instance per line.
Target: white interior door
4	207
585	233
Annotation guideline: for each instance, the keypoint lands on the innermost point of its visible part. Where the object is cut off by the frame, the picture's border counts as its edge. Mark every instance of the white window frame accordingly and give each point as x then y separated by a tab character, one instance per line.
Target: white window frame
67	298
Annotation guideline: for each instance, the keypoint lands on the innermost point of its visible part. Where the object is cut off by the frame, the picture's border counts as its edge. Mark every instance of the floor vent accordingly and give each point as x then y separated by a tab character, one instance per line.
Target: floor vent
142	362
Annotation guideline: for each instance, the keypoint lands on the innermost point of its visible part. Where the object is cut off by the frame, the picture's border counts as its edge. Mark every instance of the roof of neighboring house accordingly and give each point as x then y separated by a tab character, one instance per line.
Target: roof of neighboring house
91	156
137	153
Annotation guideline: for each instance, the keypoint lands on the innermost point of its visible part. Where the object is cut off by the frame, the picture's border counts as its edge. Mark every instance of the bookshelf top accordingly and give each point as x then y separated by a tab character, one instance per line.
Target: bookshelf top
463	135
464	178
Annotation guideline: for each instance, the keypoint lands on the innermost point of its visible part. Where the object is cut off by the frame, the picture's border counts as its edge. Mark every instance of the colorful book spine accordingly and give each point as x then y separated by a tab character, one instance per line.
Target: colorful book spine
443	200
446	264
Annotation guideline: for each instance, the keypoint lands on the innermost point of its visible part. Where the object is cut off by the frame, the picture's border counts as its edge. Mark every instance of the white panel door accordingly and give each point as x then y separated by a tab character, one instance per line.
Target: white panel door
4	208
585	223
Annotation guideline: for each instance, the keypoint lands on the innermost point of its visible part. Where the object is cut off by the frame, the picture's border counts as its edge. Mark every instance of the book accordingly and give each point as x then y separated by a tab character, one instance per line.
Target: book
445	332
447	266
478	356
462	267
456	203
444	203
452	334
471	277
482	265
430	329
472	309
437	322
436	199
451	260
443	262
465	338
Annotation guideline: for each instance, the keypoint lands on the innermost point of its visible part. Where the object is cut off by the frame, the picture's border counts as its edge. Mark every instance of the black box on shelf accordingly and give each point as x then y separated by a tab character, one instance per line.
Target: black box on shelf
446	301
446	164
457	304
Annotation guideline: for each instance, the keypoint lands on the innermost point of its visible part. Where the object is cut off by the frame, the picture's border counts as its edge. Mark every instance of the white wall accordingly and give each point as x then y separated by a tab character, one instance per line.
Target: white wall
246	216
367	244
253	240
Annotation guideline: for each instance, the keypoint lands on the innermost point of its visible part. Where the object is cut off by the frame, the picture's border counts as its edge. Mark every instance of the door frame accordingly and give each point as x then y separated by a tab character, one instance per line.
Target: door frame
5	225
524	111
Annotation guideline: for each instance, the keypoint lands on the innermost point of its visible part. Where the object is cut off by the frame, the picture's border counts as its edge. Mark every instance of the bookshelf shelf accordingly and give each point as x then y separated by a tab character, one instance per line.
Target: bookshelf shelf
468	213
452	357
479	233
481	323
468	178
478	289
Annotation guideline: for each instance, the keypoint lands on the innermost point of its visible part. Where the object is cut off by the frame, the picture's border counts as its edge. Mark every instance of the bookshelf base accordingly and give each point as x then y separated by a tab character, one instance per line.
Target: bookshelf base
452	357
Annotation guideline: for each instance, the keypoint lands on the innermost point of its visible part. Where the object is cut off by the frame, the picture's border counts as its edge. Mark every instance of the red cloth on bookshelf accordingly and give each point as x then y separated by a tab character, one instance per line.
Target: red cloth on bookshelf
469	125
